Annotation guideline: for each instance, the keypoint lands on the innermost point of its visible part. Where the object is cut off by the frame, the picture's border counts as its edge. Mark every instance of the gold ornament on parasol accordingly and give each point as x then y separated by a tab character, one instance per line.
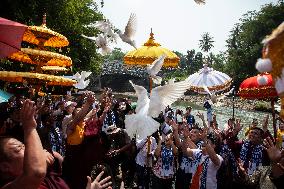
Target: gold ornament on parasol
35	78
149	52
54	68
41	57
42	36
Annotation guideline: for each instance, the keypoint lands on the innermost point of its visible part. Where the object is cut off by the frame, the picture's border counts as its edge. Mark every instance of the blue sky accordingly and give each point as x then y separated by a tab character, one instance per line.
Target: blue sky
179	24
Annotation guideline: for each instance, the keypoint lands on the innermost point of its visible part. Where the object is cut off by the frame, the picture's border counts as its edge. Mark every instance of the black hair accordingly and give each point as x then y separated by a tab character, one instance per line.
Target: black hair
259	129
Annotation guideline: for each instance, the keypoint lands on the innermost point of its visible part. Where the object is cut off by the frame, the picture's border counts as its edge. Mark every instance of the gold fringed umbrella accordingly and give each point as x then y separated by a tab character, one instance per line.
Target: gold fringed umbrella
35	78
41	57
42	36
149	52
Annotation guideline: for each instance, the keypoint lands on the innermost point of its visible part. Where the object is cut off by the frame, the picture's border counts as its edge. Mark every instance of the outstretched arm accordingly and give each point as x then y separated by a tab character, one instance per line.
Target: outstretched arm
34	168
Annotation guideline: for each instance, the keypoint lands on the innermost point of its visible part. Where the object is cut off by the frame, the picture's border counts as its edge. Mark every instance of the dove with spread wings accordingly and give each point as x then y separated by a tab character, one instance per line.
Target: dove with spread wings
215	99
142	124
102	43
80	78
129	31
154	68
107	28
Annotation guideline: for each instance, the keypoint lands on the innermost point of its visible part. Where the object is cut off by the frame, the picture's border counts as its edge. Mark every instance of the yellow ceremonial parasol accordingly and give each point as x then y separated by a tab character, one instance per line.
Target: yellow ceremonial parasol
42	36
41	57
149	52
35	78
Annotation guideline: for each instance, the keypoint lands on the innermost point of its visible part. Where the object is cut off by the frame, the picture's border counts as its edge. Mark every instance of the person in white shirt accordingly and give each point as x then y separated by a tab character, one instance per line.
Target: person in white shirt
209	163
145	152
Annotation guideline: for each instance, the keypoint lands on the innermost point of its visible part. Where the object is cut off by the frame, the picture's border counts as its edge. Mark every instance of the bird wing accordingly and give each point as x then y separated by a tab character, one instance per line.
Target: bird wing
200	1
207	90
130	28
101	41
77	76
91	38
156	65
85	74
163	96
143	100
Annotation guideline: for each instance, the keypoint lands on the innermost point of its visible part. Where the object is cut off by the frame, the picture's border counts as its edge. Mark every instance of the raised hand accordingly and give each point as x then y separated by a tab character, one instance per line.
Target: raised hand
98	183
174	126
242	170
200	115
265	123
238	125
27	115
203	134
273	152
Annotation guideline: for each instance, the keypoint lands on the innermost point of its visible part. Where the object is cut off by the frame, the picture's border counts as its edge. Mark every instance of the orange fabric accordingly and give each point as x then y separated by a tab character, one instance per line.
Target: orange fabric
196	178
78	135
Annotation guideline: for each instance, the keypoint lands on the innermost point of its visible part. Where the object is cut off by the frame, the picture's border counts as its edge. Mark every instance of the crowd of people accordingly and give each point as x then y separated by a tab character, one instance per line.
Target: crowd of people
81	142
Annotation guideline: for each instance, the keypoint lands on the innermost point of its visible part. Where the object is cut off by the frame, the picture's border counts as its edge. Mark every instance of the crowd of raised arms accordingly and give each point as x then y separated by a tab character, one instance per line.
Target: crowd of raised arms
81	142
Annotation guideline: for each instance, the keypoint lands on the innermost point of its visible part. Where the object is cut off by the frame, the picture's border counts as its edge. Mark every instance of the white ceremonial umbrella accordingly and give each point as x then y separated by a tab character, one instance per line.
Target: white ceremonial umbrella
214	80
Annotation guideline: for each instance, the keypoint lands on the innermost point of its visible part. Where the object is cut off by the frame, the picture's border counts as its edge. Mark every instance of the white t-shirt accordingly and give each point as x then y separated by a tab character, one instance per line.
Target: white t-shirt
211	180
142	146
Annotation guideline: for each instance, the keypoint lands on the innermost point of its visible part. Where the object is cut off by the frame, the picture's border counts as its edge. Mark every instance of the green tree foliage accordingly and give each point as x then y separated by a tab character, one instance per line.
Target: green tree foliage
116	54
206	43
67	17
244	44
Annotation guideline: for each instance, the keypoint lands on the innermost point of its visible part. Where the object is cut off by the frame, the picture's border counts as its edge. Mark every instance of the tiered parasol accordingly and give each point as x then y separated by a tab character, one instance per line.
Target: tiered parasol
214	80
260	87
44	60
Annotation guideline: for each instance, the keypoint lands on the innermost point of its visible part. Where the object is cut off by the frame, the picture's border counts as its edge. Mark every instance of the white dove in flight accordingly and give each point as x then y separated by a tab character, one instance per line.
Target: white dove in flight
80	78
200	2
101	42
215	98
107	28
154	68
129	31
82	84
142	124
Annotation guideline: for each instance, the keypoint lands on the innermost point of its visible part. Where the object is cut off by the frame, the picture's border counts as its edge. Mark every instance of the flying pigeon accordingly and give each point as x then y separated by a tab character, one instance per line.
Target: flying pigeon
80	78
107	28
84	74
129	31
200	2
101	42
142	124
215	98
154	68
82	84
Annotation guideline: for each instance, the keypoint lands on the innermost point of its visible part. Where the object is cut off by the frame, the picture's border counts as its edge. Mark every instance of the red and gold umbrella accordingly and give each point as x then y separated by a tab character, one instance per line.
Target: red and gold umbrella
260	87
